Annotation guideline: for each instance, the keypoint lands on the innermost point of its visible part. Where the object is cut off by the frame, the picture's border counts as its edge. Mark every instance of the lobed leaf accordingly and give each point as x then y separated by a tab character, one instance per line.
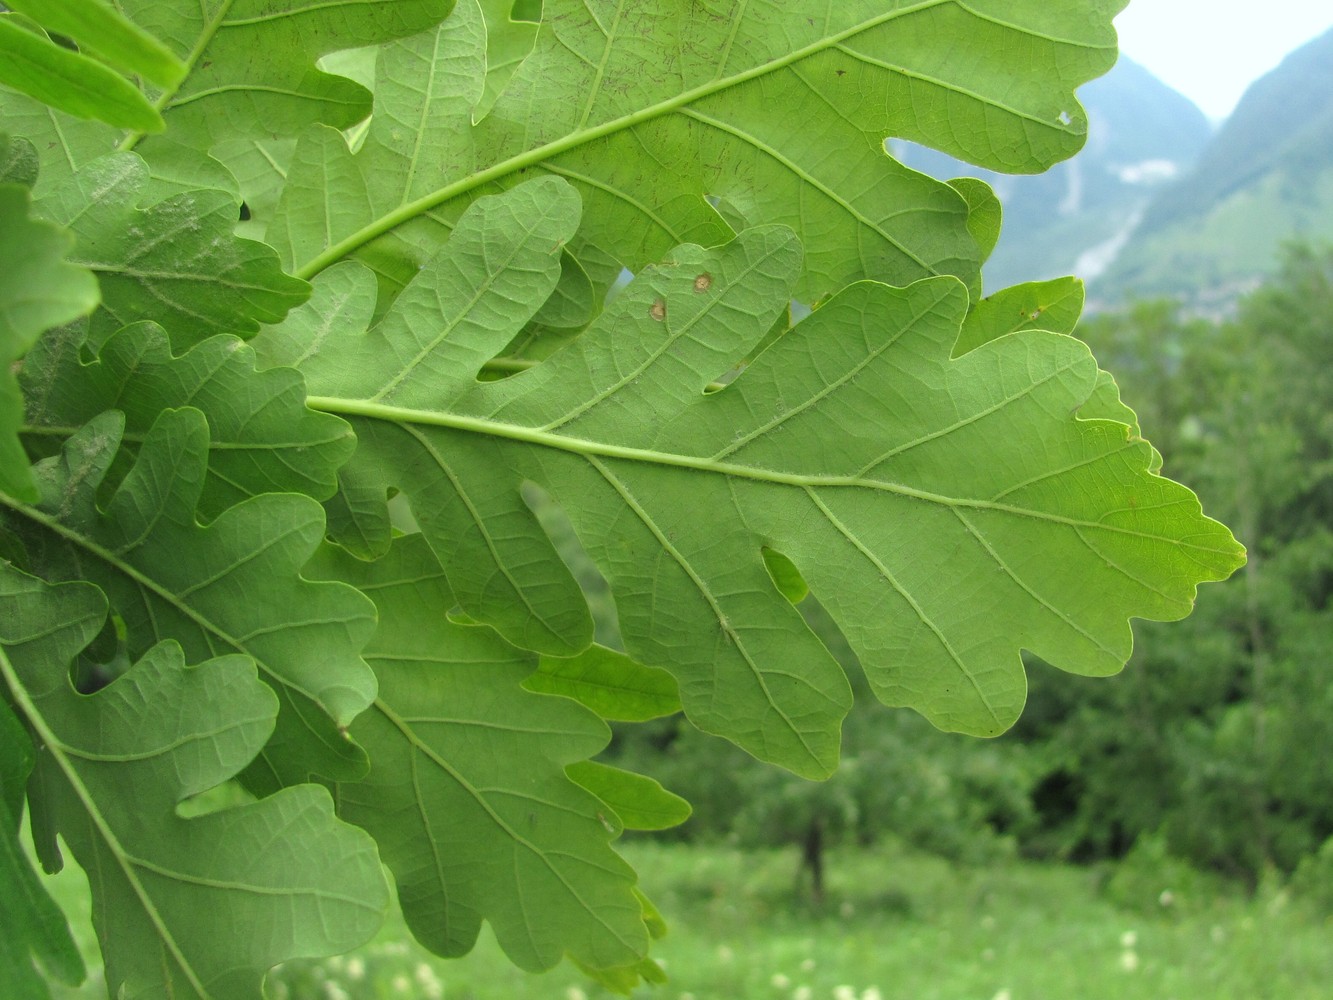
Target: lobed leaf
198	907
250	74
653	109
53	75
1054	306
174	261
233	586
39	289
99	27
635	800
262	438
468	797
947	512
609	683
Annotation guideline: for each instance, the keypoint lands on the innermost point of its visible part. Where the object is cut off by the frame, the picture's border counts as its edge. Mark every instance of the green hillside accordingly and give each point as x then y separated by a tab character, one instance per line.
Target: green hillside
1265	179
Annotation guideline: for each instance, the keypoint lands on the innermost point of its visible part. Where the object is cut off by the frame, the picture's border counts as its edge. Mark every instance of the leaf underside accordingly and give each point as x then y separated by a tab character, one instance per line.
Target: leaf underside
952	477
276	879
948	512
232	586
648	141
468	798
38	289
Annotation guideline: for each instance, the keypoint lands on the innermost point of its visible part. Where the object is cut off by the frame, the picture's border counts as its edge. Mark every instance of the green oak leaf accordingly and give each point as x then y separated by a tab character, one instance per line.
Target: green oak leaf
653	108
34	926
1054	306
637	801
97	26
468	797
262	438
39	289
70	81
199	907
609	683
250	74
947	512
984	212
515	281
174	261
233	586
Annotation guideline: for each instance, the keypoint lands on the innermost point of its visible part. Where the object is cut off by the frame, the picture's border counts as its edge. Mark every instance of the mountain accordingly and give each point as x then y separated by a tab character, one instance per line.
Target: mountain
1267	177
1075	217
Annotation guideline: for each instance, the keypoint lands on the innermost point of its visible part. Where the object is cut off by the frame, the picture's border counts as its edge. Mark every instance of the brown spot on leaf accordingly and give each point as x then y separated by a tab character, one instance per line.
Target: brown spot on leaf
658	311
703	282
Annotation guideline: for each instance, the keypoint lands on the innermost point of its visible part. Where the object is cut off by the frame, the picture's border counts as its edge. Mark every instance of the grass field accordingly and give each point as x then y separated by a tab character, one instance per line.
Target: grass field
897	925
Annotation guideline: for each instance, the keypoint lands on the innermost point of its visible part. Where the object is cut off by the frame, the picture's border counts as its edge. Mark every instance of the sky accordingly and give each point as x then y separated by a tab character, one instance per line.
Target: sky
1211	50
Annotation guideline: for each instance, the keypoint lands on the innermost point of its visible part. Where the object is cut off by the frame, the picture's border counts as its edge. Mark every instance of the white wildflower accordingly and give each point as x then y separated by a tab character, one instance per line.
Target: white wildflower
356	969
401	984
802	993
779	981
1129	960
871	993
844	992
1129	939
574	993
1004	994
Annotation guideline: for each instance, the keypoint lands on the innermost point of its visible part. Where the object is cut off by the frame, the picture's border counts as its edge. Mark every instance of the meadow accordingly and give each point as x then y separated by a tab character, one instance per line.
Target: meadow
896	924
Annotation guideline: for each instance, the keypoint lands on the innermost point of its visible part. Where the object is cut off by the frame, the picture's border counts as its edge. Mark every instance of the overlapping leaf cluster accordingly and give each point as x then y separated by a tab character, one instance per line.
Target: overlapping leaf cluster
312	568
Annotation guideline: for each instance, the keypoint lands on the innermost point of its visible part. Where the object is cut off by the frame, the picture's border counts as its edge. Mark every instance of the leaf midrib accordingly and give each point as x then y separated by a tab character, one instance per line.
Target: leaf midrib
410	210
404	416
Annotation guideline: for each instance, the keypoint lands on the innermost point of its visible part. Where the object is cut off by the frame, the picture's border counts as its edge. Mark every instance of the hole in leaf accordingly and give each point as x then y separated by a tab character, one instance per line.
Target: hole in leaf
458	616
732	215
786	577
402	519
596	590
781	325
224	796
105	659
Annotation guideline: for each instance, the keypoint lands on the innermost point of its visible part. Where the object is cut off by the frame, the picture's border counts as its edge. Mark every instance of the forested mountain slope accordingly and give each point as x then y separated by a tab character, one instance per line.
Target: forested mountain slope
1266	178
